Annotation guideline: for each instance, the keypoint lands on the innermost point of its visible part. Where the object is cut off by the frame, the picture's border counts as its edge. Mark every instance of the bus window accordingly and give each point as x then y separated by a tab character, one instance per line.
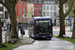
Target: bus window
43	26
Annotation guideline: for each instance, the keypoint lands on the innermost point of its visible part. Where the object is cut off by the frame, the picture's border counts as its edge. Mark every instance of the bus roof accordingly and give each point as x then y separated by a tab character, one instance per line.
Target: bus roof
31	20
42	17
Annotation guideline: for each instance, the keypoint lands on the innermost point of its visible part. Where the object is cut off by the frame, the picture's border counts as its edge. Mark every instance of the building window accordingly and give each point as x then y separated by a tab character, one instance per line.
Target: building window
37	7
23	3
47	13
23	10
54	13
31	7
58	22
39	1
51	14
6	14
1	16
43	13
19	3
44	7
35	1
47	7
34	7
40	7
35	12
19	18
40	13
54	7
45	1
1	8
51	7
20	10
50	2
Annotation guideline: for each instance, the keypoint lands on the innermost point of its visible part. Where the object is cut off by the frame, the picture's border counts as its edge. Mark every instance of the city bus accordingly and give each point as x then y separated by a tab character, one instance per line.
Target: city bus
40	27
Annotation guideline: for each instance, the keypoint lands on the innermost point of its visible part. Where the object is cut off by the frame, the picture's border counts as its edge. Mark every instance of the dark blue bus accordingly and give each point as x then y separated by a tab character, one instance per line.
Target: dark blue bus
40	27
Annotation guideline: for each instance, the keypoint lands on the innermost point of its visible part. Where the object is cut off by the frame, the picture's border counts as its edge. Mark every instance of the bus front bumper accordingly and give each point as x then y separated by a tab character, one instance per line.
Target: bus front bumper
47	36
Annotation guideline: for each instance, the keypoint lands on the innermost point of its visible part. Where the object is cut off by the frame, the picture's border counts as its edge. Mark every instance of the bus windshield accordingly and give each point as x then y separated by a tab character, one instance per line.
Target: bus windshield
43	25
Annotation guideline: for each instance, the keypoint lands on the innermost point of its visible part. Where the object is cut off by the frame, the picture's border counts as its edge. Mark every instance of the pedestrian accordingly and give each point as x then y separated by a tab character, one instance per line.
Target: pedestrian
21	33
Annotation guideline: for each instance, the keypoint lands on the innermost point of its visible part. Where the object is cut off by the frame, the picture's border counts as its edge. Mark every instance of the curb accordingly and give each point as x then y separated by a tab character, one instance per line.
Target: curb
28	43
32	41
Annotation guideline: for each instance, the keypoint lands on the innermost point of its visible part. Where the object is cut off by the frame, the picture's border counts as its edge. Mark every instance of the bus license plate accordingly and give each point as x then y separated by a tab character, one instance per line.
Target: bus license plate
43	36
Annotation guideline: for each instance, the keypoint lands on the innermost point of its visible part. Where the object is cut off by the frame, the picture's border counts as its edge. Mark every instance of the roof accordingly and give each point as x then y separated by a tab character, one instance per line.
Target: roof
47	17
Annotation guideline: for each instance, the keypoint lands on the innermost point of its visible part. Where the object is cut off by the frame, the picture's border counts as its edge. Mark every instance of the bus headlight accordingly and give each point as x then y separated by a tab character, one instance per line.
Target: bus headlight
36	35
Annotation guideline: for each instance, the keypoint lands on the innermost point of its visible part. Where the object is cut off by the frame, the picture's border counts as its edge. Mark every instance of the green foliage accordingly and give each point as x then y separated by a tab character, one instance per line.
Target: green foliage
9	38
71	30
68	39
5	33
19	42
73	7
10	46
55	35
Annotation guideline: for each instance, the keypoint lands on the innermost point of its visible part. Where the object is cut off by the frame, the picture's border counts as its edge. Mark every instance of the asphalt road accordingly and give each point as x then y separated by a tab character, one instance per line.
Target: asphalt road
54	44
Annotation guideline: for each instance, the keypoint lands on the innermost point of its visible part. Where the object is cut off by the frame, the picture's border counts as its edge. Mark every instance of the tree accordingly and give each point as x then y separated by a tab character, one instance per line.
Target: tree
1	45
0	33
10	6
73	34
62	15
73	13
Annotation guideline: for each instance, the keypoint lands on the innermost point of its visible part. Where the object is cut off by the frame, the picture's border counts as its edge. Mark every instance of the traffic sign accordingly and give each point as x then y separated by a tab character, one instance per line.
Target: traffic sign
25	15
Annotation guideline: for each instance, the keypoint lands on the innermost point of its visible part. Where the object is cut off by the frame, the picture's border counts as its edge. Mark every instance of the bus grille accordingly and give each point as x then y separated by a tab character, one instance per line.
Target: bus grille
43	34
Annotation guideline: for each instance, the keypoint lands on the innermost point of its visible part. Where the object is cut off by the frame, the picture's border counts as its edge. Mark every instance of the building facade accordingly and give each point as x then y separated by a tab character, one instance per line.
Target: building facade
30	9
21	11
38	9
51	8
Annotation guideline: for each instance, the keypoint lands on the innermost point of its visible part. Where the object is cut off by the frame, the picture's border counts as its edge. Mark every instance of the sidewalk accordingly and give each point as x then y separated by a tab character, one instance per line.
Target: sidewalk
26	38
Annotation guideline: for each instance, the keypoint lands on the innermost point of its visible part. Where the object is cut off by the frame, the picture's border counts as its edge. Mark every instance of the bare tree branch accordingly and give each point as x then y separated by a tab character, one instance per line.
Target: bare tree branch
64	1
7	5
69	8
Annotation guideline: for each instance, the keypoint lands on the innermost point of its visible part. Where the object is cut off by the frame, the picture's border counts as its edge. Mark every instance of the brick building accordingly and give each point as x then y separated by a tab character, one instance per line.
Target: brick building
21	10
